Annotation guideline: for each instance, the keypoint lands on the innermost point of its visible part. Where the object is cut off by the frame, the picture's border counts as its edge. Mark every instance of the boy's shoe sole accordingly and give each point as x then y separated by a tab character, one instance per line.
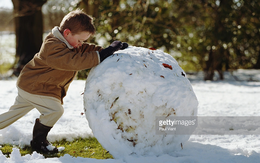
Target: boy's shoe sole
41	148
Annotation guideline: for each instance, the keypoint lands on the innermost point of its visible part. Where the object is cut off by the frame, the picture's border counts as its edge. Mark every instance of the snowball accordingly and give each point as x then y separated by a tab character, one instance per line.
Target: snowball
127	91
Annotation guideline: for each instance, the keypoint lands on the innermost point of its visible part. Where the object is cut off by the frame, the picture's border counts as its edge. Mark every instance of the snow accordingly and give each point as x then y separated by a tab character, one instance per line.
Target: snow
124	95
6	4
50	147
233	97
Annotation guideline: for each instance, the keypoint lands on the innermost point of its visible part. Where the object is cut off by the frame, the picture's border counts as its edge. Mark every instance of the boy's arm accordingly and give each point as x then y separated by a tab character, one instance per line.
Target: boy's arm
90	47
58	56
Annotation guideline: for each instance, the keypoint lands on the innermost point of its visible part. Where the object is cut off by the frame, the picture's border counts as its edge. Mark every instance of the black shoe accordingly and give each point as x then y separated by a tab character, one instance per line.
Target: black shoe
45	148
40	143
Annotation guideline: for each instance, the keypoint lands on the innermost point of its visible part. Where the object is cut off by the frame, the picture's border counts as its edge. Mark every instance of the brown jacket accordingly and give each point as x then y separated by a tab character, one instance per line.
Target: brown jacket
51	70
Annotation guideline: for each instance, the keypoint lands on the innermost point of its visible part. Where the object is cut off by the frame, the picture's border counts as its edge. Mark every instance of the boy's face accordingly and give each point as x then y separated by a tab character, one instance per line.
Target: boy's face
76	40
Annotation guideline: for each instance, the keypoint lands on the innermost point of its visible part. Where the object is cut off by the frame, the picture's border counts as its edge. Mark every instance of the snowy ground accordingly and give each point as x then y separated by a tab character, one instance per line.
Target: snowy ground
226	98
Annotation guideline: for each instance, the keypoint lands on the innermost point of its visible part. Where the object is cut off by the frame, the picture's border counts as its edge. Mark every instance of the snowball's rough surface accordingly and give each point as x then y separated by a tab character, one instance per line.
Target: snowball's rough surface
125	93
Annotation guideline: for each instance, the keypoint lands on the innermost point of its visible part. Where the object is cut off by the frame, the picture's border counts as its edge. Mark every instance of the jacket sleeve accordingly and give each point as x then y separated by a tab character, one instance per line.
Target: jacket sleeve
91	47
58	56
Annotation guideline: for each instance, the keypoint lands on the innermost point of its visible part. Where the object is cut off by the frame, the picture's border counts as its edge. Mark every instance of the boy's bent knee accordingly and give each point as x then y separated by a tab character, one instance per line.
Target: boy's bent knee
52	113
59	112
51	118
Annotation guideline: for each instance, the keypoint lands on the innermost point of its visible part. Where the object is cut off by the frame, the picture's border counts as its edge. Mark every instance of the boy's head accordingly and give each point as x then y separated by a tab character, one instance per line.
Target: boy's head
77	27
77	21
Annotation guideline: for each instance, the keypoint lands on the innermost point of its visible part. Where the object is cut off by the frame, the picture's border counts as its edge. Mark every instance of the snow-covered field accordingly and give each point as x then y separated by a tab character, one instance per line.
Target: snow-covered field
226	98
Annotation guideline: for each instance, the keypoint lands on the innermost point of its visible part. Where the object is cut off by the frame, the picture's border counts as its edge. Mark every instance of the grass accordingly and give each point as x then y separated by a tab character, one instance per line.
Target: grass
87	148
7	52
5	67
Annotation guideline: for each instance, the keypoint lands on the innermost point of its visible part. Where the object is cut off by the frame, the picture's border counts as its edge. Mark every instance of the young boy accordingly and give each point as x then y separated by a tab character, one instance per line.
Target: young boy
44	81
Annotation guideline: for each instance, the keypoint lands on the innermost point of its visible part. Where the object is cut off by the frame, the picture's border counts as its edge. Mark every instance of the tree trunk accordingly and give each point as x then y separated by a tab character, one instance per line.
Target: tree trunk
209	69
257	65
28	30
90	7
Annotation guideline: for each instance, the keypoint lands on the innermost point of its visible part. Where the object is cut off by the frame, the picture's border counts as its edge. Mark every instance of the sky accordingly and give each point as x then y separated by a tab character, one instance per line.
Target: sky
6	4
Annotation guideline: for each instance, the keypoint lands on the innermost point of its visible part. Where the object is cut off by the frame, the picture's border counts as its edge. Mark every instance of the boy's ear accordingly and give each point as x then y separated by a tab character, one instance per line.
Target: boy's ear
66	32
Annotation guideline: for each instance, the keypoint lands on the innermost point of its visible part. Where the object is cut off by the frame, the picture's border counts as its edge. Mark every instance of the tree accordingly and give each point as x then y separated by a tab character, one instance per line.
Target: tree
220	34
249	33
28	30
212	35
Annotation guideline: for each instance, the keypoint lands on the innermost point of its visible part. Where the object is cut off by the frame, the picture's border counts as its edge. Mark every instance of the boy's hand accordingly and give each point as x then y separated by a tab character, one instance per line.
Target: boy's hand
125	45
115	46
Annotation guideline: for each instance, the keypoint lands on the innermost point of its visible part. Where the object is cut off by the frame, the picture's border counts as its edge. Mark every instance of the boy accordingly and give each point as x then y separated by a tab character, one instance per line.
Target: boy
44	81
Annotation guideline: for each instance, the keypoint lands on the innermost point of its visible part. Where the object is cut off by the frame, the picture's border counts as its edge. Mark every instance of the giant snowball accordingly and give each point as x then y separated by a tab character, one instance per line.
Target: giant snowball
127	91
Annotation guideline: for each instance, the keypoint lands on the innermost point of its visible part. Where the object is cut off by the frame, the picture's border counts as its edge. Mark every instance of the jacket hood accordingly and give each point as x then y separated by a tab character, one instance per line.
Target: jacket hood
55	31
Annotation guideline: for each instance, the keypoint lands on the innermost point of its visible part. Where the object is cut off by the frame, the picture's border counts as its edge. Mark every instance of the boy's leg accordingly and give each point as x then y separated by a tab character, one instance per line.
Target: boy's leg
51	110
49	107
18	110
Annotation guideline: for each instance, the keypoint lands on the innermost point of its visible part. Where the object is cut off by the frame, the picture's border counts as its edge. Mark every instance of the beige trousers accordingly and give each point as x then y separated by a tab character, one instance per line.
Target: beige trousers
49	107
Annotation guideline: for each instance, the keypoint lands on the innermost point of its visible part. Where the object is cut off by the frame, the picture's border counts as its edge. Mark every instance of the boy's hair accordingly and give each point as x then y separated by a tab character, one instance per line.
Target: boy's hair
77	21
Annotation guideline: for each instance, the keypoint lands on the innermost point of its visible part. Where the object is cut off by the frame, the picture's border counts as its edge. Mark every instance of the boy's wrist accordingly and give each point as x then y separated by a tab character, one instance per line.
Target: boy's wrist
115	46
103	54
98	55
